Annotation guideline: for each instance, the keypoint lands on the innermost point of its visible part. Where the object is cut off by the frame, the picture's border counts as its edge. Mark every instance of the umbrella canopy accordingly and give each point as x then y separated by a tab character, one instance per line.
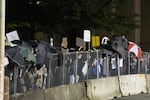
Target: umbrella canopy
14	55
132	47
118	44
27	54
42	49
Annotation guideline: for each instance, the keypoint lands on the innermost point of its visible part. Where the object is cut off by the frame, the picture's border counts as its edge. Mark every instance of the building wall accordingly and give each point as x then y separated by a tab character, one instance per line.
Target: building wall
145	25
141	35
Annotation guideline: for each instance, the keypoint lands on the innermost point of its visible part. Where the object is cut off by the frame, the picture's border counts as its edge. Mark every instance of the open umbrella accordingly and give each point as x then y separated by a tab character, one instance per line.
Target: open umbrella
15	56
27	54
43	48
116	44
133	47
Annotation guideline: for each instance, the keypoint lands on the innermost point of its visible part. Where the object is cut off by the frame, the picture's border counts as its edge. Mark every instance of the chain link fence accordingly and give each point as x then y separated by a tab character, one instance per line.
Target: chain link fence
73	67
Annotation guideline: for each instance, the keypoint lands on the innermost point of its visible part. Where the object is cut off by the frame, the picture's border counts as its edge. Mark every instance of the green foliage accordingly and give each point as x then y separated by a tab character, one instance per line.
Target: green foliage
63	16
18	24
88	14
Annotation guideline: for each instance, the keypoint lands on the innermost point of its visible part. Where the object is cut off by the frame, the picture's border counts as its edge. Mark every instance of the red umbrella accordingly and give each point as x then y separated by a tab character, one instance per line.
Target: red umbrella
132	47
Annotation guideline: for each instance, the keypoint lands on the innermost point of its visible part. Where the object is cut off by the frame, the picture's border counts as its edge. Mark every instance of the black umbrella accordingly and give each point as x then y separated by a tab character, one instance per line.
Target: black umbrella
15	56
42	49
20	54
27	54
118	44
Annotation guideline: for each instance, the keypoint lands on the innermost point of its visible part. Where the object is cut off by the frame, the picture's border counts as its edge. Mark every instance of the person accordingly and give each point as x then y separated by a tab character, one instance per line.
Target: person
82	48
133	63
64	45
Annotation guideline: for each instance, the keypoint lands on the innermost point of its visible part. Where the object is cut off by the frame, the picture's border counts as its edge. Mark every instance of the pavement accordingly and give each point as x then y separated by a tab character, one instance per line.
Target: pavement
135	97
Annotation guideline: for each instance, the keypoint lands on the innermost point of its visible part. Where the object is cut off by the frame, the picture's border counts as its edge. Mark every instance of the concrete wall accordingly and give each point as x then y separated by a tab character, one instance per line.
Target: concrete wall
63	92
103	89
97	89
112	87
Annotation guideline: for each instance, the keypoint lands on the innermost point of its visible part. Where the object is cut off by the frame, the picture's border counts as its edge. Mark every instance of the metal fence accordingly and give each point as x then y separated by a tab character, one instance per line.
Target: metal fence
73	67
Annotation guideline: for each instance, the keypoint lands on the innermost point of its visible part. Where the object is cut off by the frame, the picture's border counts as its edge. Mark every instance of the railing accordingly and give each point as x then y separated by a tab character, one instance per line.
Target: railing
73	67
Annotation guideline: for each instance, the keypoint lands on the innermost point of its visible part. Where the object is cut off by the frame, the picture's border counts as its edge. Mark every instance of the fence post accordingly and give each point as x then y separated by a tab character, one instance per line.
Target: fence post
97	63
139	66
147	63
88	58
15	76
63	71
107	65
118	66
76	69
49	69
128	62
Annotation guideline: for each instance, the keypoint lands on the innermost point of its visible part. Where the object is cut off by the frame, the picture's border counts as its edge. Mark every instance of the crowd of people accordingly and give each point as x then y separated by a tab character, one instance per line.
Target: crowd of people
38	65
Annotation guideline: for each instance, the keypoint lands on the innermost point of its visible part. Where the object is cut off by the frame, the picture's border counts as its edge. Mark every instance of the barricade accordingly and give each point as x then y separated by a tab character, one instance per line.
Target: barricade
77	91
57	93
96	89
66	92
6	88
36	94
148	82
132	84
63	92
103	89
32	95
17	96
